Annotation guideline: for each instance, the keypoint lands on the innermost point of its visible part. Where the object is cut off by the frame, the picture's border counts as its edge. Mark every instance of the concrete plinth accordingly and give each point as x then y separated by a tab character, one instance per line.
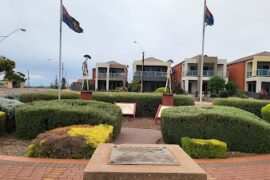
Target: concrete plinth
100	168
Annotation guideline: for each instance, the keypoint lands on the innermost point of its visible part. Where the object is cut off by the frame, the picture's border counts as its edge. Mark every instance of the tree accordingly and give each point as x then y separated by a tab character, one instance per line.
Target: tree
7	66
216	84
231	88
134	86
64	82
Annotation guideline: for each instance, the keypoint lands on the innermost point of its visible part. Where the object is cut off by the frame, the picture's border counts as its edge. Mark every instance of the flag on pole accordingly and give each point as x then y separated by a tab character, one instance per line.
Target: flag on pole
71	22
209	18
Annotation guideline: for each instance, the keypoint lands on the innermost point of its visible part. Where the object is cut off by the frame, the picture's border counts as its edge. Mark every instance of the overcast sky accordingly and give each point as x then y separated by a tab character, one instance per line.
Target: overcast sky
167	29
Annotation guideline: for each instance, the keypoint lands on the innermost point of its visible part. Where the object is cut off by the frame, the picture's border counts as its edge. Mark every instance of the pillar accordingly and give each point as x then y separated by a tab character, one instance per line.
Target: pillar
108	79
96	79
258	86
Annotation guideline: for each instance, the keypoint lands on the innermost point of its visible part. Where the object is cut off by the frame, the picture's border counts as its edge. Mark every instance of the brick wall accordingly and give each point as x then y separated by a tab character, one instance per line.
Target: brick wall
177	75
237	74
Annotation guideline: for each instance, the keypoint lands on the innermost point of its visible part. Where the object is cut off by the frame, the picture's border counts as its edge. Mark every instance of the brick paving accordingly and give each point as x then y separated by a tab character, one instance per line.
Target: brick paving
255	168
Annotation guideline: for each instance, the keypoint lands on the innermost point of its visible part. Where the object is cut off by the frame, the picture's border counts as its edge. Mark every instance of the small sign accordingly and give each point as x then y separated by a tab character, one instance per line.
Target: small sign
127	108
159	111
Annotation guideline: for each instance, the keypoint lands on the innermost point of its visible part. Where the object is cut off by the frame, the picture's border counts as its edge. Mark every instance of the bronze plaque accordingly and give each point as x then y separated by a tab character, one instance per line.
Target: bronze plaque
142	156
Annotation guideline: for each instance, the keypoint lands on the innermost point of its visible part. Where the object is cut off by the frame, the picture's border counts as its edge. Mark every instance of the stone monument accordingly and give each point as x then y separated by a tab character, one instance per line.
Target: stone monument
142	162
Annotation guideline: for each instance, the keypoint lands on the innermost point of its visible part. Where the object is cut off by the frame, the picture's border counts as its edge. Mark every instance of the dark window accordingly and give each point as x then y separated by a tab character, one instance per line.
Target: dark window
252	87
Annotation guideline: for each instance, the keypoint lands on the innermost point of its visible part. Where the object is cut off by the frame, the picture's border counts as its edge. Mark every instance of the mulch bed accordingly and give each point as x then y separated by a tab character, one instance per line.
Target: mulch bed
11	146
140	123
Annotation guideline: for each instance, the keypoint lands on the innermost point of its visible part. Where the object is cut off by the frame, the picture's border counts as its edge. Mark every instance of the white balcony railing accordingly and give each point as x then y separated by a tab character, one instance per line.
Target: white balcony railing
263	72
206	73
151	74
111	75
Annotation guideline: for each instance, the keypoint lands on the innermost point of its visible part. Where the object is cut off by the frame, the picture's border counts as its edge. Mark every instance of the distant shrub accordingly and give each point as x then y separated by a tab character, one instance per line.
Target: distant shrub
37	117
242	94
134	86
266	113
200	148
162	90
223	94
241	130
8	106
231	88
70	142
2	123
250	105
147	103
46	96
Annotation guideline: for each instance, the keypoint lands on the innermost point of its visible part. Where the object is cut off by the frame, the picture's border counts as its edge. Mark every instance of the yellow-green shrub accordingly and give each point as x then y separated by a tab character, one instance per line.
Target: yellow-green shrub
93	135
2	123
70	142
266	113
200	148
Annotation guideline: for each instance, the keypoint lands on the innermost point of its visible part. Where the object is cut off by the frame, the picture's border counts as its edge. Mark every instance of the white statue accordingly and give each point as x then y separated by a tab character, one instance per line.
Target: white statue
169	79
85	71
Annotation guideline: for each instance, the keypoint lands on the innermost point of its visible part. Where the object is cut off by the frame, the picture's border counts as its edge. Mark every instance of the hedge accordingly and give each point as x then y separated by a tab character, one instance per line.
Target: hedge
250	105
2	123
147	103
37	117
8	106
46	96
241	130
200	148
265	111
79	141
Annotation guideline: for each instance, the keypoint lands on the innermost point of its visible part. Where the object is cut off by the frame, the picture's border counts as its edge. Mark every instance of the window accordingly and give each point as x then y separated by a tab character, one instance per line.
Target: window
252	87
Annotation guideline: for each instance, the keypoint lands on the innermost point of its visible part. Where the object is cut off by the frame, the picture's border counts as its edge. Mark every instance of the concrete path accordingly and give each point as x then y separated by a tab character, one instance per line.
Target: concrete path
138	136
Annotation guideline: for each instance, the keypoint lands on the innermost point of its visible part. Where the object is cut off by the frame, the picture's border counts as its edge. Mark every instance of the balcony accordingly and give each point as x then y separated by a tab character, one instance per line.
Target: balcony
150	75
263	72
112	75
206	73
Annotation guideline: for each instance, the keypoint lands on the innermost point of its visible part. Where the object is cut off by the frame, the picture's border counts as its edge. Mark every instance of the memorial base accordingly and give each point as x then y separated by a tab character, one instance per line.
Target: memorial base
167	99
86	95
140	161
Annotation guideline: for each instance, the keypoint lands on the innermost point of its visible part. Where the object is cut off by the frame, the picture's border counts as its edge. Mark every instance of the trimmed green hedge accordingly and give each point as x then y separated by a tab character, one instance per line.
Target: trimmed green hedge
8	106
266	112
46	96
250	105
37	117
2	123
241	130
200	148
147	103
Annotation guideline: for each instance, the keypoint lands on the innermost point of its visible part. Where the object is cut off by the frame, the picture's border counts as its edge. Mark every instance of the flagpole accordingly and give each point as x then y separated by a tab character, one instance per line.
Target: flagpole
60	51
202	57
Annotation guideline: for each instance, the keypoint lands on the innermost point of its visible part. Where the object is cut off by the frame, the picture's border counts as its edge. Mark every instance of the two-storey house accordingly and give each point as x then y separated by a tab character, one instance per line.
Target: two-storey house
187	74
251	73
154	73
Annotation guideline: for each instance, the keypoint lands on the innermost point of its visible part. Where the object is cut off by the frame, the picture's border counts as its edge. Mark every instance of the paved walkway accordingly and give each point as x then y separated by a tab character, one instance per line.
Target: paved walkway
138	136
255	168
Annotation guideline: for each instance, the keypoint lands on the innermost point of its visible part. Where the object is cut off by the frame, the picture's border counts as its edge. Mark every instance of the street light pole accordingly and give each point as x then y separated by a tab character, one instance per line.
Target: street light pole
142	71
4	37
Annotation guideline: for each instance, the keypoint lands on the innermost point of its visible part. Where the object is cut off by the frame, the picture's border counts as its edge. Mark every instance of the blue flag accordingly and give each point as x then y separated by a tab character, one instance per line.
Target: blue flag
209	18
71	22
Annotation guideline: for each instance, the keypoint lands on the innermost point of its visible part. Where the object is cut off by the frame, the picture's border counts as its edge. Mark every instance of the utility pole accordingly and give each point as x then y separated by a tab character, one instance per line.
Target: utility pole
28	78
142	71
